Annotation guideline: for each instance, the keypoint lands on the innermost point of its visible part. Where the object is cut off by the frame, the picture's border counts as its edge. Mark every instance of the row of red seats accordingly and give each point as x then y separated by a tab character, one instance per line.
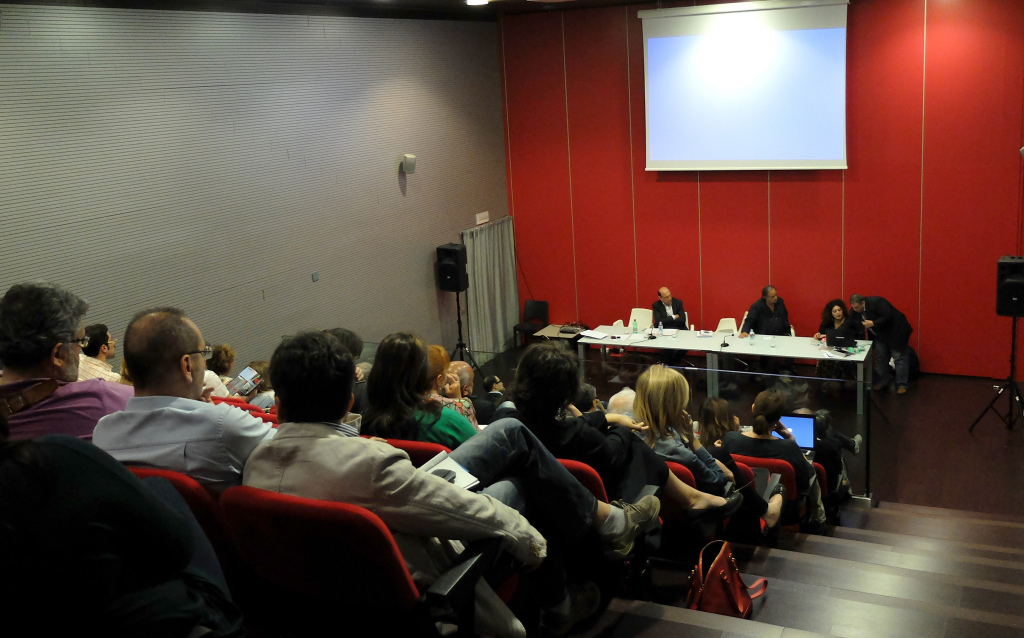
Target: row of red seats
279	549
268	416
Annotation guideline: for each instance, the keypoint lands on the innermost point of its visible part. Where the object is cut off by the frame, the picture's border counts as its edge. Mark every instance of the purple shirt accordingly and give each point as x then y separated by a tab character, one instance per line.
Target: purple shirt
73	409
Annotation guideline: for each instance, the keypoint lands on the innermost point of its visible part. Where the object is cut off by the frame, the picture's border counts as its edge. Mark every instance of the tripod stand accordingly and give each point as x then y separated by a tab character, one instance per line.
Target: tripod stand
461	351
1016	409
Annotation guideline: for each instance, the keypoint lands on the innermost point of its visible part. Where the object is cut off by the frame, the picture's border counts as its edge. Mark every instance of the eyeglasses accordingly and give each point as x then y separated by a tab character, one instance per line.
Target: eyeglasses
81	342
207	352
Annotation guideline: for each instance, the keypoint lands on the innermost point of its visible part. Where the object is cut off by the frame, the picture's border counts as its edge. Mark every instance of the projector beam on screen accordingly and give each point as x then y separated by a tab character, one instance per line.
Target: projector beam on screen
746	86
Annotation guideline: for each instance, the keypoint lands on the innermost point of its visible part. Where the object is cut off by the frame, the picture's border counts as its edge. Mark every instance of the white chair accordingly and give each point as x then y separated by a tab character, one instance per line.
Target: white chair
743	320
617	323
726	325
686	319
644	318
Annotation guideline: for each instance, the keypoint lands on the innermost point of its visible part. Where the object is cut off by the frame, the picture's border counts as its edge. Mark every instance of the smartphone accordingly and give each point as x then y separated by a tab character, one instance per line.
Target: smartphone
245	382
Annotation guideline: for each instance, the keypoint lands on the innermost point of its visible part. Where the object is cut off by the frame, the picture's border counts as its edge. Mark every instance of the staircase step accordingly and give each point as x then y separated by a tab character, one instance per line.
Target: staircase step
916	544
982	531
941	512
633	618
946	560
963	597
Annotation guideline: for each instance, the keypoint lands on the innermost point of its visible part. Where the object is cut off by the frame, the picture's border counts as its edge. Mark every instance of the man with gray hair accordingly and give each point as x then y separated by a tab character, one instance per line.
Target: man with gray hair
41	337
622	402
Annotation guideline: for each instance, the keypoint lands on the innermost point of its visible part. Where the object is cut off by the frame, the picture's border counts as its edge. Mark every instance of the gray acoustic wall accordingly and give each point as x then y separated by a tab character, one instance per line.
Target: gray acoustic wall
214	161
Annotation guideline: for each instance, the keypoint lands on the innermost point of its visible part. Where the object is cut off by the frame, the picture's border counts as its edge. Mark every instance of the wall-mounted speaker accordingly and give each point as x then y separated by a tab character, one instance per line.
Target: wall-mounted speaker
1010	287
451	268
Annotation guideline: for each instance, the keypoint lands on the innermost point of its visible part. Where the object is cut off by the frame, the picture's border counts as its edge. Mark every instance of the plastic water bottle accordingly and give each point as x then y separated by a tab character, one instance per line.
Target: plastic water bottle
751	338
661	329
634	326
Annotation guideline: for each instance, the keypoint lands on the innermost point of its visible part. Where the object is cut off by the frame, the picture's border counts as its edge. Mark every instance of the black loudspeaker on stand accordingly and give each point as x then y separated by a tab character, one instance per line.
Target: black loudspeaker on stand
1009	303
452	276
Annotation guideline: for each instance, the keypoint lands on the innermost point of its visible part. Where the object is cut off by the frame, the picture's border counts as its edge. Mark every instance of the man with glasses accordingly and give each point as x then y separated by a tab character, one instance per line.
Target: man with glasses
171	423
41	337
92	364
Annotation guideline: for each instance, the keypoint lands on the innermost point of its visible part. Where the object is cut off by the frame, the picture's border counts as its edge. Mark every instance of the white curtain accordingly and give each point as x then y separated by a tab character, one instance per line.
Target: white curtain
492	301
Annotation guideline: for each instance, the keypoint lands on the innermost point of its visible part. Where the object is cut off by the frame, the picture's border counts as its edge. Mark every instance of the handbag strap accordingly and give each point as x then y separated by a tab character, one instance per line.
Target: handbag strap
761	585
28	397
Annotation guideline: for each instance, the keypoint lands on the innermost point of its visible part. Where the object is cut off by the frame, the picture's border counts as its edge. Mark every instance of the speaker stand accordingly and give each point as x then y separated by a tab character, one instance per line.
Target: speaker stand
1016	408
461	352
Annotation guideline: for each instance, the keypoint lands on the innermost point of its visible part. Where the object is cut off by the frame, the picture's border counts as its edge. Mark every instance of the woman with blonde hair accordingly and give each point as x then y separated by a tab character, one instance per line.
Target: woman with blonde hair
662	396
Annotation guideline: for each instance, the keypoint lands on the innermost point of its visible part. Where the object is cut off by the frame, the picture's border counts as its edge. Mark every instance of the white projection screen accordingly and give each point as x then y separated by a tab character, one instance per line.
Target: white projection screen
749	85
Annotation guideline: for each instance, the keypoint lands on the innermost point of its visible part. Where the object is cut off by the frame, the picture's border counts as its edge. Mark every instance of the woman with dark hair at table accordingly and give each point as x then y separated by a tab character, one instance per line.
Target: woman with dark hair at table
836	317
547	379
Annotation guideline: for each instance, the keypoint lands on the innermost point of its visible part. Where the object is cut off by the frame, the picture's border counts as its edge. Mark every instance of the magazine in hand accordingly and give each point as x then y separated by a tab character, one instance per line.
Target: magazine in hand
442	465
244	383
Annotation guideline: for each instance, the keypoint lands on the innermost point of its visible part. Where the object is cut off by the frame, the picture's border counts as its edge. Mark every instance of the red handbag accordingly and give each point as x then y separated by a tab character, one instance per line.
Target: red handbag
719	589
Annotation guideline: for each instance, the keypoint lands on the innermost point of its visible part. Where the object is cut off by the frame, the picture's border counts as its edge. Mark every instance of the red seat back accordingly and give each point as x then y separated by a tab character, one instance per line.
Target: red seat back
199	500
419	451
682	472
746	474
775	466
587	476
819	470
329	551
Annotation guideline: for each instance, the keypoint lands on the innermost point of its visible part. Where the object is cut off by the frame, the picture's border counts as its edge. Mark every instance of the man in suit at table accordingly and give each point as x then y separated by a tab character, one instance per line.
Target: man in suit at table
890	331
668	311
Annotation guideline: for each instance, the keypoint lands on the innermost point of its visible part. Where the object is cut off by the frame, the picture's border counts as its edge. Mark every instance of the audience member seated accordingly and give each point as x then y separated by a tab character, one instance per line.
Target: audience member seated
447	387
354	344
168	424
622	402
662	396
92	363
761	442
546	379
401	397
91	550
222	359
318	453
465	375
41	335
715	420
485	405
263	395
828	450
586	399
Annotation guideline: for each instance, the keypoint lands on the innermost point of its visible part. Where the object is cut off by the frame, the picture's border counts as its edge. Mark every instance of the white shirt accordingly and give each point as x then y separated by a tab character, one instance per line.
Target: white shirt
211	380
209	442
668	309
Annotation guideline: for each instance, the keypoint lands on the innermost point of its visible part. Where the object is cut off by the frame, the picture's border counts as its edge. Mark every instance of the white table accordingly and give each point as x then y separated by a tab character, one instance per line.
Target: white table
718	344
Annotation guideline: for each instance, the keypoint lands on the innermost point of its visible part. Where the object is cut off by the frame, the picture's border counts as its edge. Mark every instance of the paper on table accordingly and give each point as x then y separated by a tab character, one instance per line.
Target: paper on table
670	331
593	334
706	333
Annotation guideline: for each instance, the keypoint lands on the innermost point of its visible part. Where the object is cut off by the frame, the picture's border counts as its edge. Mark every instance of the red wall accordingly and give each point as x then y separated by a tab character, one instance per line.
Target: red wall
932	198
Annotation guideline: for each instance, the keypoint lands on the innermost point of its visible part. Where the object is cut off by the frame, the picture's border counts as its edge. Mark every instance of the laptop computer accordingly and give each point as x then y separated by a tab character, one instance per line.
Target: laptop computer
839	338
802	427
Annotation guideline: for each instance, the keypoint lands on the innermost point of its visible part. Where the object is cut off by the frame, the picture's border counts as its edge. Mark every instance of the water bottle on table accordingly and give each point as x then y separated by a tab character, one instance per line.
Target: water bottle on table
661	329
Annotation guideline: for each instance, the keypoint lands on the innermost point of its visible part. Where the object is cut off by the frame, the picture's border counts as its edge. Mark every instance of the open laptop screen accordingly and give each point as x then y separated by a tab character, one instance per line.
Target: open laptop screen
802	427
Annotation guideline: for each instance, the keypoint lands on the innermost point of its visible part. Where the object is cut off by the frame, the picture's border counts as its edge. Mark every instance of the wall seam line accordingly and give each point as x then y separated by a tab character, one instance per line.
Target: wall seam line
700	253
920	237
568	156
629	157
769	178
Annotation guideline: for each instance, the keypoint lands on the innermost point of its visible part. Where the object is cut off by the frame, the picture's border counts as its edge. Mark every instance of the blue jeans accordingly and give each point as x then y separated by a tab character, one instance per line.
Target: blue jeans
506	457
900	356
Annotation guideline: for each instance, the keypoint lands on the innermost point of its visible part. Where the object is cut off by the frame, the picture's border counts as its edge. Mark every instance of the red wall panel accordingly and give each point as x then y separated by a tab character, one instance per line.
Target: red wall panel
734	242
885	57
602	198
538	156
807	243
931	198
974	70
667	231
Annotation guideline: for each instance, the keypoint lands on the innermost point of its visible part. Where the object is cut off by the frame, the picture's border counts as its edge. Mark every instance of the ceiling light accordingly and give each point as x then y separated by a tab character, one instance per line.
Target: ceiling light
475	3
